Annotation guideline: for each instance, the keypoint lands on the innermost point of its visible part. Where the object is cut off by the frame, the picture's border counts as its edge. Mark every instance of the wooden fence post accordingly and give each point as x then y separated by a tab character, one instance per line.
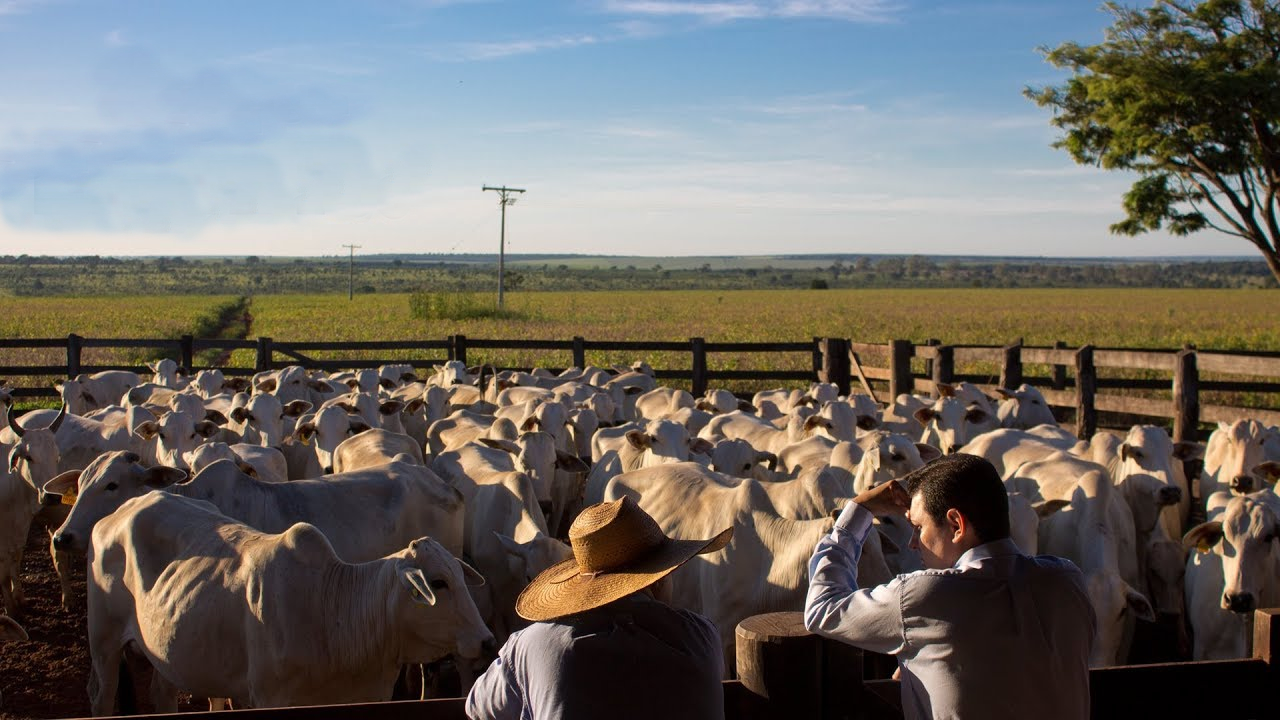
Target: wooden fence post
835	363
1011	366
944	366
780	661
264	355
1059	371
698	346
900	369
460	348
1186	397
75	344
928	363
188	353
579	352
1266	639
1086	388
817	359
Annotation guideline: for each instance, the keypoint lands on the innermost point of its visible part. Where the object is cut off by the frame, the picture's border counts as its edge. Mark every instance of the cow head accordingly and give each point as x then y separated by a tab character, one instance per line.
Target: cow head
1246	539
100	489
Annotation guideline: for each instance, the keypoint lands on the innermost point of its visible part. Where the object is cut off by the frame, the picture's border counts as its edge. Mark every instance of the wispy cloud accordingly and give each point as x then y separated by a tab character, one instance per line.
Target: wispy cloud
115	39
336	60
848	10
20	7
497	50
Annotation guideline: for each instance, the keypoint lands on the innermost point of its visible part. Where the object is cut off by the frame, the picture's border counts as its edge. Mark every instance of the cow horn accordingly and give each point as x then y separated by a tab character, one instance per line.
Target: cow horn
15	427
57	422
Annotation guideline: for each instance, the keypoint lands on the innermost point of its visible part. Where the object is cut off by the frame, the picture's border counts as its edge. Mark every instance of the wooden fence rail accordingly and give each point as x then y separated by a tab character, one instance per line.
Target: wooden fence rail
789	674
1070	379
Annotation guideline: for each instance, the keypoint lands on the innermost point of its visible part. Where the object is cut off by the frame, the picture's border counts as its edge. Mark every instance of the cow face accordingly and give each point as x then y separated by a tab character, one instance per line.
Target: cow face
100	490
949	424
885	457
434	607
1114	601
1166	568
1024	408
326	430
76	397
175	434
34	457
1247	539
1235	451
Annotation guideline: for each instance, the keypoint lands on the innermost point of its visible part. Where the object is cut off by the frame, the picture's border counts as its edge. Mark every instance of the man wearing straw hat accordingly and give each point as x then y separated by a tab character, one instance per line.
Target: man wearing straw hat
605	643
984	631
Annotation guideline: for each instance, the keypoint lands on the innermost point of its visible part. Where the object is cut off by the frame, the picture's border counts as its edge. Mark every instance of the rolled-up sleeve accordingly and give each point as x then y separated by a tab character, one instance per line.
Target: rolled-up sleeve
869	618
496	694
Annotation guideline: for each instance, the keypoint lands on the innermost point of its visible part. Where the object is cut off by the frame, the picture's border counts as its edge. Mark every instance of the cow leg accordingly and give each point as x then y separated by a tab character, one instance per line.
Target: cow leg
104	679
164	695
7	585
19	598
62	564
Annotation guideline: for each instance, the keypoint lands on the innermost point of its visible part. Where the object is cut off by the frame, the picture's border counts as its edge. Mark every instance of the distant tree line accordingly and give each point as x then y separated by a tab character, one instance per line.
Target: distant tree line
33	275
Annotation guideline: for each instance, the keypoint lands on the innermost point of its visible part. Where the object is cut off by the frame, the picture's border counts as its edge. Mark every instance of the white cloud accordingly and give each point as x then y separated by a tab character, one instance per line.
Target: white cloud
497	50
115	39
20	7
336	60
848	10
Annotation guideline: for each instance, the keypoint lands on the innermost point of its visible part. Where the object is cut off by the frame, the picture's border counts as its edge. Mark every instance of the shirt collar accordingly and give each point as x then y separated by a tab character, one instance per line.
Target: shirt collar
995	548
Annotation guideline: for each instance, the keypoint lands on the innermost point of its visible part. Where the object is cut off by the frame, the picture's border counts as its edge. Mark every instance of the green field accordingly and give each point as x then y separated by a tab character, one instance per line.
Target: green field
1210	319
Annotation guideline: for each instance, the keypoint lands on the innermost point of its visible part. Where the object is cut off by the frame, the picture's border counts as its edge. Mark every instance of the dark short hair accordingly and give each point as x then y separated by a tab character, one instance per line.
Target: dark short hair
969	484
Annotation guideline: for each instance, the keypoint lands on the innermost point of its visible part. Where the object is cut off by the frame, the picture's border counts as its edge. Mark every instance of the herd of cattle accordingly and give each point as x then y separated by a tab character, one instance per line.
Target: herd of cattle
298	537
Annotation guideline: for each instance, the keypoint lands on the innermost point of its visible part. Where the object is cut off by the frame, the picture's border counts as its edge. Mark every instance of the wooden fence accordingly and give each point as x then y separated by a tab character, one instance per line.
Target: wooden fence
788	674
1069	380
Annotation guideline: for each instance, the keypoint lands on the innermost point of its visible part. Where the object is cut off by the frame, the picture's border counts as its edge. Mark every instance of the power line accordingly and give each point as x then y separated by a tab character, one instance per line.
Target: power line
504	199
351	272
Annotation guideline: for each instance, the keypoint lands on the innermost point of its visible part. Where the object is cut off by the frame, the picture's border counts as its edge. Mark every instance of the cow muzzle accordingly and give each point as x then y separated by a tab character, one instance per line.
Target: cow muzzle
1240	602
1242	484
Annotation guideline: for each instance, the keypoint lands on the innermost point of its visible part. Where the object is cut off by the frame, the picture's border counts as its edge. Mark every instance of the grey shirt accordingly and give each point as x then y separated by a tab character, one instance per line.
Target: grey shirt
633	658
999	635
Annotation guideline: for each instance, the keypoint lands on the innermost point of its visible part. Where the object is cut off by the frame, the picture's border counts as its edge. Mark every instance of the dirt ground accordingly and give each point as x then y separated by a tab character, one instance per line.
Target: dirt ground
46	676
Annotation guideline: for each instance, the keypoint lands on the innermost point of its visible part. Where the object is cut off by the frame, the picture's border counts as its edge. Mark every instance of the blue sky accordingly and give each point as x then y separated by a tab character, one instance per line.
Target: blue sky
638	127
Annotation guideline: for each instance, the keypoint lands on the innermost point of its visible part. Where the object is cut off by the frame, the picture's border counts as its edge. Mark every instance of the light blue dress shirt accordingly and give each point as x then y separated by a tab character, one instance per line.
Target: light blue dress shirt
999	635
633	658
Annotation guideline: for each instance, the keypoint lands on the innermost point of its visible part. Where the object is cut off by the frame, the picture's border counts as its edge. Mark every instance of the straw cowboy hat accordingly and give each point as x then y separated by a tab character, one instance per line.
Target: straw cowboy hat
617	550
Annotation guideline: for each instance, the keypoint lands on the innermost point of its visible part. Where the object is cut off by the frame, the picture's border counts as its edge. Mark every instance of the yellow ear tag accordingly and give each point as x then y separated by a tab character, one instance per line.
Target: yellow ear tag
1204	546
69	497
306	439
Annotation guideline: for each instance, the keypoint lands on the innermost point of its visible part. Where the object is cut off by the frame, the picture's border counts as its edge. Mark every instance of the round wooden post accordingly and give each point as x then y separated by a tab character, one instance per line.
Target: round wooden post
1086	388
900	380
781	662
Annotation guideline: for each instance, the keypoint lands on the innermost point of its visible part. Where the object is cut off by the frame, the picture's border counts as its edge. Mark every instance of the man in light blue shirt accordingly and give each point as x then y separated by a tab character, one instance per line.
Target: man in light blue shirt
984	631
605	643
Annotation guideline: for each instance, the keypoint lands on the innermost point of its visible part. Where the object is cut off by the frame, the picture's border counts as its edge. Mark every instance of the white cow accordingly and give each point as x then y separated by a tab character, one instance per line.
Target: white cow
175	434
264	463
1232	454
374	447
30	462
332	632
363	513
949	423
1024	408
1148	453
1095	531
327	429
1234	569
262	420
85	393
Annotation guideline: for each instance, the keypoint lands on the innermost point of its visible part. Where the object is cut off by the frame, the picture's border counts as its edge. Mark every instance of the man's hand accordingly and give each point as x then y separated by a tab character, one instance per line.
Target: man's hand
886	499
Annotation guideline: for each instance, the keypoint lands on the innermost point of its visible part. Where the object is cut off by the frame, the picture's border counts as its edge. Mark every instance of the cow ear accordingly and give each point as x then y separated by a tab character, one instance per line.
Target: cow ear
266	386
320	386
305	432
1269	471
353	383
147	430
1203	536
390	407
248	469
639	440
945	390
571	463
1048	507
814	421
868	423
386	383
530	424
358	425
746	407
702	446
976	415
239	414
64	483
214	416
1126	452
632	390
162	476
768	459
297	408
1188	450
1139	605
924	415
704	405
511	547
928	453
416	583
414	406
471	576
500	444
207	429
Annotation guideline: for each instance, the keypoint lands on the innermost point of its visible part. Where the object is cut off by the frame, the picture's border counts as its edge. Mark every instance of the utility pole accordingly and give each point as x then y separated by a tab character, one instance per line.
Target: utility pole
504	199
351	272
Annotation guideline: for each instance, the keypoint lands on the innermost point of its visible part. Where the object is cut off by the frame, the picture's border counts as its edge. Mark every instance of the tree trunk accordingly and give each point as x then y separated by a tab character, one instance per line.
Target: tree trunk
1273	261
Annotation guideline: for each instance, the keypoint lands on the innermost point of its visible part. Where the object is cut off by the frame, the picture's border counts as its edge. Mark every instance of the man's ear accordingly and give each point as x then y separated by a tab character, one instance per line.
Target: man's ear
959	525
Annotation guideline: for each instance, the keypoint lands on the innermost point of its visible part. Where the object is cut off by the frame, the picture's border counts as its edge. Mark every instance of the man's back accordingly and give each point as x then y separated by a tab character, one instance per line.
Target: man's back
633	658
1002	634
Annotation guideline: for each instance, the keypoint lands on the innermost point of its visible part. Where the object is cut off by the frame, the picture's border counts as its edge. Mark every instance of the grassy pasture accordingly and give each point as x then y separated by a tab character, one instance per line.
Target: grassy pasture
1151	318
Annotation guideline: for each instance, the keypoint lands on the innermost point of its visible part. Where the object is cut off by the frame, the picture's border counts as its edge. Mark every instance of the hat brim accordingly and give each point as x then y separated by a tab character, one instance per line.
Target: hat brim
562	590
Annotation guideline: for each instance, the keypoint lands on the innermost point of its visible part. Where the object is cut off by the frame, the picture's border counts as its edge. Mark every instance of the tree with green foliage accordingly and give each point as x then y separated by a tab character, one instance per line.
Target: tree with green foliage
1187	95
